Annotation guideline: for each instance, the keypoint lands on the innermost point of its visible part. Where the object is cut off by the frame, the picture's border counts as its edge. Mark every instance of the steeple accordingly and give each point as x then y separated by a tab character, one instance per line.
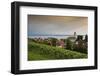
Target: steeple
75	35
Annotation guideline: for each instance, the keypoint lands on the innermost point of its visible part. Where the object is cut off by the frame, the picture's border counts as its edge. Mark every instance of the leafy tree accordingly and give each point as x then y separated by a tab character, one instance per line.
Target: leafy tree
53	41
86	38
69	44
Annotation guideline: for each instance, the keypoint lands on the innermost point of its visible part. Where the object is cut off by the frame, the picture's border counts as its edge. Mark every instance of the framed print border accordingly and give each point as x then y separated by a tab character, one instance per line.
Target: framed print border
15	37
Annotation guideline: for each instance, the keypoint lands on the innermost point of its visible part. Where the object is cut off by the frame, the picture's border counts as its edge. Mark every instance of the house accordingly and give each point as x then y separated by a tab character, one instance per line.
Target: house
60	43
81	43
77	42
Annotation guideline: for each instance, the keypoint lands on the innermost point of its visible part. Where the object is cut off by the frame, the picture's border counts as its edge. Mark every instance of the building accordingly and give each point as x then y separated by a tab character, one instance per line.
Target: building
60	43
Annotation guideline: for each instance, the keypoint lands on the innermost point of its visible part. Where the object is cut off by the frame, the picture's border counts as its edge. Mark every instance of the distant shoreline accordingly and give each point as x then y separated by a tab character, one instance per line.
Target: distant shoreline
56	35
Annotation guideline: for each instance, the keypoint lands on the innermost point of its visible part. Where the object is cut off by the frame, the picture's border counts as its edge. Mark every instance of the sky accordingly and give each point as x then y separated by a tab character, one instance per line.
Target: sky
57	25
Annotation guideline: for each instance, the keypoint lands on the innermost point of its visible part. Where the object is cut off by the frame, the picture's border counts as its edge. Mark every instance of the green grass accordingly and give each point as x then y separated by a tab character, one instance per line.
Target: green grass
38	51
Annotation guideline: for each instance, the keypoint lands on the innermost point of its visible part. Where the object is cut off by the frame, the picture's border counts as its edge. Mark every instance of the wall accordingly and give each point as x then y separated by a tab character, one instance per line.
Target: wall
5	41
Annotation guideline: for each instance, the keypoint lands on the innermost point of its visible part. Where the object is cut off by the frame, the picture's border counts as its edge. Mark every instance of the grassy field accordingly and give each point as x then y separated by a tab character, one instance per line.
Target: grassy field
38	51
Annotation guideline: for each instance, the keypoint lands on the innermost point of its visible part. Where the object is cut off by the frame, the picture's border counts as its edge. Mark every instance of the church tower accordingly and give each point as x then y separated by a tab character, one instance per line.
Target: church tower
75	35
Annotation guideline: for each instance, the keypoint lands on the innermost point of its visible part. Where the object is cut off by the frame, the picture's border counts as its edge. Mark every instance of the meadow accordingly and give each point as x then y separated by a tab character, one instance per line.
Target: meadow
38	51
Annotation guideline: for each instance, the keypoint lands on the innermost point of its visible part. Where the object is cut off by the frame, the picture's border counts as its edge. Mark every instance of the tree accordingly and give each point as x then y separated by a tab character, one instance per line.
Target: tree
53	41
86	38
69	44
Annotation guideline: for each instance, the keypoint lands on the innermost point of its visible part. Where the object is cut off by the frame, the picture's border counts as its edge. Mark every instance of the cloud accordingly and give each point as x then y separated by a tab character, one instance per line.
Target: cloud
38	24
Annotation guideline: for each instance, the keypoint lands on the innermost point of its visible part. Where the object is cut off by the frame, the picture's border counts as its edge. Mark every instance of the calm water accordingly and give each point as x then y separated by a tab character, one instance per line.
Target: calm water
58	37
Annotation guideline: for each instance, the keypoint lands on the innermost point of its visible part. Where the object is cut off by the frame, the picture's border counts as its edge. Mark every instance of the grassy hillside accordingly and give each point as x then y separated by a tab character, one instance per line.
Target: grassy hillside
38	51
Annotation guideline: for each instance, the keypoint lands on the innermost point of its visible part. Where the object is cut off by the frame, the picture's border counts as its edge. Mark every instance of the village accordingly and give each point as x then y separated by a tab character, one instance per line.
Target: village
75	42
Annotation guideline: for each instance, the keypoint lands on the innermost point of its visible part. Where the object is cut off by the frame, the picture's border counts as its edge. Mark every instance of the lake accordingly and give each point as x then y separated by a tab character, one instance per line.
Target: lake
51	36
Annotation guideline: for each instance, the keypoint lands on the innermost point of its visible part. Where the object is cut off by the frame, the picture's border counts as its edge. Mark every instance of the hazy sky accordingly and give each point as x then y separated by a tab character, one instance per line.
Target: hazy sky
60	25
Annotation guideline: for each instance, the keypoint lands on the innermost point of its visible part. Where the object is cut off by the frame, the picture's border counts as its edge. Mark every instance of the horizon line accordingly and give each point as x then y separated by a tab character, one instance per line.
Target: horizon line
54	35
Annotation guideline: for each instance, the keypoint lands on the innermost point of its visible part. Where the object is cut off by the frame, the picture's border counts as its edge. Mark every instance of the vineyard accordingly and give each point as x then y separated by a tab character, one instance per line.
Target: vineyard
38	51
